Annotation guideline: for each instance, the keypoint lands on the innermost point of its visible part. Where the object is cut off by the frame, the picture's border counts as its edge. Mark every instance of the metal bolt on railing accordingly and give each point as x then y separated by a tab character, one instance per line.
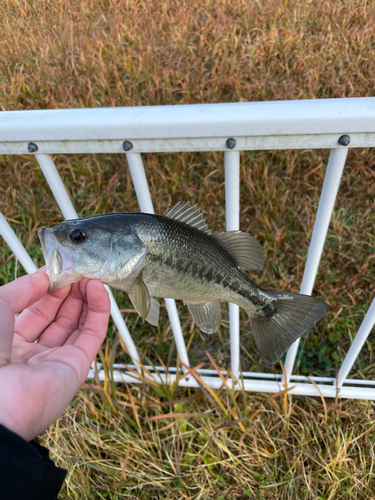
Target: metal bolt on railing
32	147
231	143
127	146
344	140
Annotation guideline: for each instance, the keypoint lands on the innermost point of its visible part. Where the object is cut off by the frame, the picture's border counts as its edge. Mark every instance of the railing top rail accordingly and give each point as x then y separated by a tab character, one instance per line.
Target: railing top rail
301	117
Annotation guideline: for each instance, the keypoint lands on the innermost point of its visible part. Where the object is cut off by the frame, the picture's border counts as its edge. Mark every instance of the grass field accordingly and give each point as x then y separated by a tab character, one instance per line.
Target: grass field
166	442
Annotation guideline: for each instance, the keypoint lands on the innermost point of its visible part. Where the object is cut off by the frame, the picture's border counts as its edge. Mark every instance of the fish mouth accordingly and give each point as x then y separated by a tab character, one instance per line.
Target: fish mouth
58	259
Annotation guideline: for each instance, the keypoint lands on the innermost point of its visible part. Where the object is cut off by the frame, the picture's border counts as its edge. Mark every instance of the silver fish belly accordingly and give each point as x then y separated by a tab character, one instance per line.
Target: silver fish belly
175	256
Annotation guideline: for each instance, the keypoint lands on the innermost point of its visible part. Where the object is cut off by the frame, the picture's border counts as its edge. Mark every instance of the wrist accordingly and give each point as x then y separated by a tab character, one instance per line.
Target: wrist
8	421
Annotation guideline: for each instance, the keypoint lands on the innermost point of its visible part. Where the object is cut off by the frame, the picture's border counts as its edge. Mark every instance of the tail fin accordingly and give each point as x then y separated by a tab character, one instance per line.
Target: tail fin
295	314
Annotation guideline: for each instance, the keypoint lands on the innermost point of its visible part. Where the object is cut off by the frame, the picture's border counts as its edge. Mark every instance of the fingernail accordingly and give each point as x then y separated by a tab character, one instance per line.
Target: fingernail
41	274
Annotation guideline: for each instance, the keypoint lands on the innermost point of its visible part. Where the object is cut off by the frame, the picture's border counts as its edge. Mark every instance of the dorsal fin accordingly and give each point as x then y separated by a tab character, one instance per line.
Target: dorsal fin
245	249
189	214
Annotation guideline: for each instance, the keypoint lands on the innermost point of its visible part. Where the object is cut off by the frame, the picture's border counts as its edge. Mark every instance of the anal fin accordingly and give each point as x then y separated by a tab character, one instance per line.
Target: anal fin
207	315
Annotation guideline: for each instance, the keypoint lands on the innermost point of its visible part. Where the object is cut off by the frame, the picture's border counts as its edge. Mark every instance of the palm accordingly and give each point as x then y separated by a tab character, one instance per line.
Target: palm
38	380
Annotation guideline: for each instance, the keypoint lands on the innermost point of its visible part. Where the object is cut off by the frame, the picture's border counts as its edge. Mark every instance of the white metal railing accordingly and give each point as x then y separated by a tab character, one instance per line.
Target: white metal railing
312	124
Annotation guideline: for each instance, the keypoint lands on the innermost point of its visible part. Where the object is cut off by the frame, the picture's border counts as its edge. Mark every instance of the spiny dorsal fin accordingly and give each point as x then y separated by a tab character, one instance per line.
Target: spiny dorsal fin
245	249
189	214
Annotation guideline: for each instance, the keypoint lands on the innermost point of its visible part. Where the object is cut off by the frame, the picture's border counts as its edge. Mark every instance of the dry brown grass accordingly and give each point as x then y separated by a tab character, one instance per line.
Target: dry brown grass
160	52
120	444
166	52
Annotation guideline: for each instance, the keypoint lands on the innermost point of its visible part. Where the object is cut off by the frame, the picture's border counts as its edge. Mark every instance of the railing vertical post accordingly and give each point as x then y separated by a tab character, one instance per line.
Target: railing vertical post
139	178
56	185
331	185
362	334
137	171
232	207
16	246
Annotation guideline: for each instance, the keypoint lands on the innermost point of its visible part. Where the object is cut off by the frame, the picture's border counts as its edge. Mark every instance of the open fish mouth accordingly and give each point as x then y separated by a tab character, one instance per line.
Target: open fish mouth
58	259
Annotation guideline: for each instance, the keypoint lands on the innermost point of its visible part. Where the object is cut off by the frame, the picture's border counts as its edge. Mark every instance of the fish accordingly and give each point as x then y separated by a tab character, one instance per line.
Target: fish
176	256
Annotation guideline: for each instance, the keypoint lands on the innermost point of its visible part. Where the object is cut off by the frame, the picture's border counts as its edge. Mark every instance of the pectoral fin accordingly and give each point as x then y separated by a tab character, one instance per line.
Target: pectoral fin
130	286
207	315
142	297
153	313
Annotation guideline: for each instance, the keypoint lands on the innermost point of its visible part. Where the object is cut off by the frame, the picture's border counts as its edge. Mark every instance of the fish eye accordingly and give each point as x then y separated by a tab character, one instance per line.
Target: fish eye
77	235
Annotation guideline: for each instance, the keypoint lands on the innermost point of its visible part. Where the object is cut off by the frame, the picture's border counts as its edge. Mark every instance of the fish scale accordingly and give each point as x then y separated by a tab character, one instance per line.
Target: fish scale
175	256
183	244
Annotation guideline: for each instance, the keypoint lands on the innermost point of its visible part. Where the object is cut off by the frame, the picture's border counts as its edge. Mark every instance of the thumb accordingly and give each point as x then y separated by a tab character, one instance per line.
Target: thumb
7	320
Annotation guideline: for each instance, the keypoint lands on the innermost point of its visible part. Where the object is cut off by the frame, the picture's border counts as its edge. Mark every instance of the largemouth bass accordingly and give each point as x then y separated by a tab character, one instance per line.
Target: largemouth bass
176	256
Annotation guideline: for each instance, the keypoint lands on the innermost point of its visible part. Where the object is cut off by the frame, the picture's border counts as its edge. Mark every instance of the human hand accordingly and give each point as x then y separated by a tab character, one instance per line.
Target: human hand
39	380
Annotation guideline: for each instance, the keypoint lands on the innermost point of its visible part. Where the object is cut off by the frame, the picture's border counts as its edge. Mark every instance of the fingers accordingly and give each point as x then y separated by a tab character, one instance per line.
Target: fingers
95	327
36	318
77	333
67	319
23	292
6	332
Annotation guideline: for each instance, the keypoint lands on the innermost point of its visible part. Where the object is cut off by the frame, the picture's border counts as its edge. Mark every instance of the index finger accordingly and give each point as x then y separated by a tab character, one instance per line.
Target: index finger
23	292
